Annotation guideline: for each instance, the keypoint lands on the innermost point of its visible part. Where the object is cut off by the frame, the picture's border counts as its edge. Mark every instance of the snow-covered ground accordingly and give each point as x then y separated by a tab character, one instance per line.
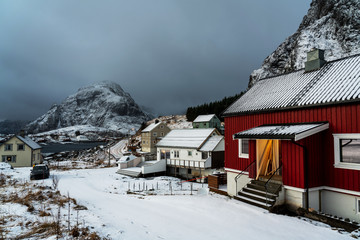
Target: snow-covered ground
167	210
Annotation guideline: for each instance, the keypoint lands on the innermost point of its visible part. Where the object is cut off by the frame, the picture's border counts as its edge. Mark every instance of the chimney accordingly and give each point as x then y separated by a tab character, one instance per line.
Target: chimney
315	60
157	121
22	133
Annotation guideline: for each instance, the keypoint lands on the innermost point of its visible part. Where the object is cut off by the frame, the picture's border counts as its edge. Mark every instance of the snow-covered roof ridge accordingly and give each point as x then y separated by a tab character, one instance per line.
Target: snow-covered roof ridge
336	82
211	143
204	118
151	127
28	141
186	138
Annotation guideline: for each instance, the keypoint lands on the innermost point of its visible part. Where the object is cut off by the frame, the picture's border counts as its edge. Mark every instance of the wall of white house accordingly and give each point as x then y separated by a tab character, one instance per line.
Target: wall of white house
183	154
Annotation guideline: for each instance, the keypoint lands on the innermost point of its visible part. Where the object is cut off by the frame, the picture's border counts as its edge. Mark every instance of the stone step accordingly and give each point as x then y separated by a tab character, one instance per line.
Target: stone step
260	188
253	202
260	193
256	197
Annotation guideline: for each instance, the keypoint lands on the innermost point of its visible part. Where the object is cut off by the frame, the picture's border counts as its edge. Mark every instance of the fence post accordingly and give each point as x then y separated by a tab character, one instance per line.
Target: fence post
191	188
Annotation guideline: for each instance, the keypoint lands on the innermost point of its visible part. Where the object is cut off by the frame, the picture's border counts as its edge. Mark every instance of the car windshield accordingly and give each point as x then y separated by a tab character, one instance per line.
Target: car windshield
39	168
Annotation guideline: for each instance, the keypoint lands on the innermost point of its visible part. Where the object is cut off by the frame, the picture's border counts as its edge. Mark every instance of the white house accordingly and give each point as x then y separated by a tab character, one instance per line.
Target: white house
192	153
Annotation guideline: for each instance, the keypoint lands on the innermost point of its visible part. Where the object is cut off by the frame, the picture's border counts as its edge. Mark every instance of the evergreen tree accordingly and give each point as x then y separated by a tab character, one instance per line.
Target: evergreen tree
216	107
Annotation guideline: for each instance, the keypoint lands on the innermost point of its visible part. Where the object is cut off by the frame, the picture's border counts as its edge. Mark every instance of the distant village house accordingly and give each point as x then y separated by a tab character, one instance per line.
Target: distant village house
20	151
153	134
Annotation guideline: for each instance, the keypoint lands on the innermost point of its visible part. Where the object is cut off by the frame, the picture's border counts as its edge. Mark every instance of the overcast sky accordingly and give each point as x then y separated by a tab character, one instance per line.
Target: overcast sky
168	54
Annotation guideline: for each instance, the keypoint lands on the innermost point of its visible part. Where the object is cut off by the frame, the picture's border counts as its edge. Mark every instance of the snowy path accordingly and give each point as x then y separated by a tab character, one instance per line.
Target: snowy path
117	149
120	216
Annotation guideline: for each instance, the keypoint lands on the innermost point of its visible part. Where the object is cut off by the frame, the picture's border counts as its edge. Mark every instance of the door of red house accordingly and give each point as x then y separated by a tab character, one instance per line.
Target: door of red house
268	158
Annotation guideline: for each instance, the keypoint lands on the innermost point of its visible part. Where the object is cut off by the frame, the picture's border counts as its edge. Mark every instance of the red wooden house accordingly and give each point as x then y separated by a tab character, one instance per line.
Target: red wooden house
295	139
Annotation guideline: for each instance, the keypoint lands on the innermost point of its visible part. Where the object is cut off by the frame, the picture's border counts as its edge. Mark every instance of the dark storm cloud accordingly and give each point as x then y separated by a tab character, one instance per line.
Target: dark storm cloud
167	54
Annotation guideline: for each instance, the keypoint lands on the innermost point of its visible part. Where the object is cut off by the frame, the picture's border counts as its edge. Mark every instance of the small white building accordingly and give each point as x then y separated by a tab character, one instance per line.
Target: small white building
192	153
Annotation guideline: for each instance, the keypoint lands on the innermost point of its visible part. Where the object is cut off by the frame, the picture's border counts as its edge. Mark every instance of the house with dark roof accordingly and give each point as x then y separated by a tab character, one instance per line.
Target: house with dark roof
295	139
192	153
20	151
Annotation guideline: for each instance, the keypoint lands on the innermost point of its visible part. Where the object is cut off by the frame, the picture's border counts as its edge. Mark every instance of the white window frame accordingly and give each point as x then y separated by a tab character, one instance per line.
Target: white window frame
176	154
155	134
241	154
337	157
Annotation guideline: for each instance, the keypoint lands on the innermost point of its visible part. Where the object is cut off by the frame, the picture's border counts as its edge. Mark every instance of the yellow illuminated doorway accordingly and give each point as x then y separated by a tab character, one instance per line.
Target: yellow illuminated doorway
267	157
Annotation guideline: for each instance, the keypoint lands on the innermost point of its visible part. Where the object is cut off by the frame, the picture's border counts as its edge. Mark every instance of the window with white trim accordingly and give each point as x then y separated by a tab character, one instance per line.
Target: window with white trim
243	148
347	151
176	154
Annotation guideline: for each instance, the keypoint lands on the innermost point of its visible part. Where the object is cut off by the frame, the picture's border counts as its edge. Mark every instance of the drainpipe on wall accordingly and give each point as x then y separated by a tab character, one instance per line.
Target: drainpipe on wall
306	181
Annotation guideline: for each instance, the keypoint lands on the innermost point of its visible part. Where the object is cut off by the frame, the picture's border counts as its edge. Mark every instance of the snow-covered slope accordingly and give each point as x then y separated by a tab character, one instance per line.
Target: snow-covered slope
103	104
332	25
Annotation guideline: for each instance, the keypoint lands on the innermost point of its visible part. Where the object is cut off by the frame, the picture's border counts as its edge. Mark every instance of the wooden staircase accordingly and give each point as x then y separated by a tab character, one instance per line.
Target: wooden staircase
255	193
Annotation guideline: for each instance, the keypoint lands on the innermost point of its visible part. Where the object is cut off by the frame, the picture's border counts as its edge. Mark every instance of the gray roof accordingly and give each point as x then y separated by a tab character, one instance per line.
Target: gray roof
186	138
283	131
211	143
336	82
28	141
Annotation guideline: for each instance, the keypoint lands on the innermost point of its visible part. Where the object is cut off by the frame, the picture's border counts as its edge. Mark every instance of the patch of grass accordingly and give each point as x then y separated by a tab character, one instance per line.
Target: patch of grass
44	229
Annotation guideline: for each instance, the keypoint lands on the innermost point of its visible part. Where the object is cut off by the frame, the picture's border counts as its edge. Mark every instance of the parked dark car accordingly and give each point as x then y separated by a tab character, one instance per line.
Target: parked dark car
40	171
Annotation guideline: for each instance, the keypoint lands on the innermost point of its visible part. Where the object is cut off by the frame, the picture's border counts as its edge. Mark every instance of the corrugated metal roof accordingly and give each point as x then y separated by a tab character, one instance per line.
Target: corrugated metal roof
204	118
335	82
284	131
28	141
211	143
186	138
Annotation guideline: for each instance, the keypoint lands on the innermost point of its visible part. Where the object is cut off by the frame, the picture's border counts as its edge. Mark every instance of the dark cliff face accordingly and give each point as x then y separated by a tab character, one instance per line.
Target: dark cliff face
331	25
101	105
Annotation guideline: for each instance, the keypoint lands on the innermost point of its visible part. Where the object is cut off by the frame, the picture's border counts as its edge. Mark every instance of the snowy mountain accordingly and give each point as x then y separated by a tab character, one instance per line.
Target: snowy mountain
331	25
103	105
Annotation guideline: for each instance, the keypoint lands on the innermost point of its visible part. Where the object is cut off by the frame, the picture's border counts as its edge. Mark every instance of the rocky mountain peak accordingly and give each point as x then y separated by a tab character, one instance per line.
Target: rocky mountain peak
331	25
103	104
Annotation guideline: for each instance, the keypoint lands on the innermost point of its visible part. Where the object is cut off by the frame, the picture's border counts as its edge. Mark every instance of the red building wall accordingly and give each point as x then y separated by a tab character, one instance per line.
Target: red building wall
341	118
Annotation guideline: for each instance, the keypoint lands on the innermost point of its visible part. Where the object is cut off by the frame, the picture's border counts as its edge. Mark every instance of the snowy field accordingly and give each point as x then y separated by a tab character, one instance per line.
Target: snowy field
165	209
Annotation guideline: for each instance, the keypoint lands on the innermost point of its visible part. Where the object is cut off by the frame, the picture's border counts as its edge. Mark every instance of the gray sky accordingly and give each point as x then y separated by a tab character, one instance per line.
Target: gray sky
168	54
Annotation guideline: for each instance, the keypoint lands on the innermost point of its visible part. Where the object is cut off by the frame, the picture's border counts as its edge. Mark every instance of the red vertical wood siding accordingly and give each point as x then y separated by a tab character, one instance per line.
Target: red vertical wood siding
341	118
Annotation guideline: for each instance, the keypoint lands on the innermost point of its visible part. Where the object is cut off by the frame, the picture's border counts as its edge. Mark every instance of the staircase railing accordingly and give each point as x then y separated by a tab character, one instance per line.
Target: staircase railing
267	182
240	174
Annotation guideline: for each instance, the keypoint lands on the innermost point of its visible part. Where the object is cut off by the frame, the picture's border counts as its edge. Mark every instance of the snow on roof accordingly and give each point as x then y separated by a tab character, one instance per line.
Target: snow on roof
211	143
126	158
284	131
151	127
28	141
204	118
186	138
336	81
